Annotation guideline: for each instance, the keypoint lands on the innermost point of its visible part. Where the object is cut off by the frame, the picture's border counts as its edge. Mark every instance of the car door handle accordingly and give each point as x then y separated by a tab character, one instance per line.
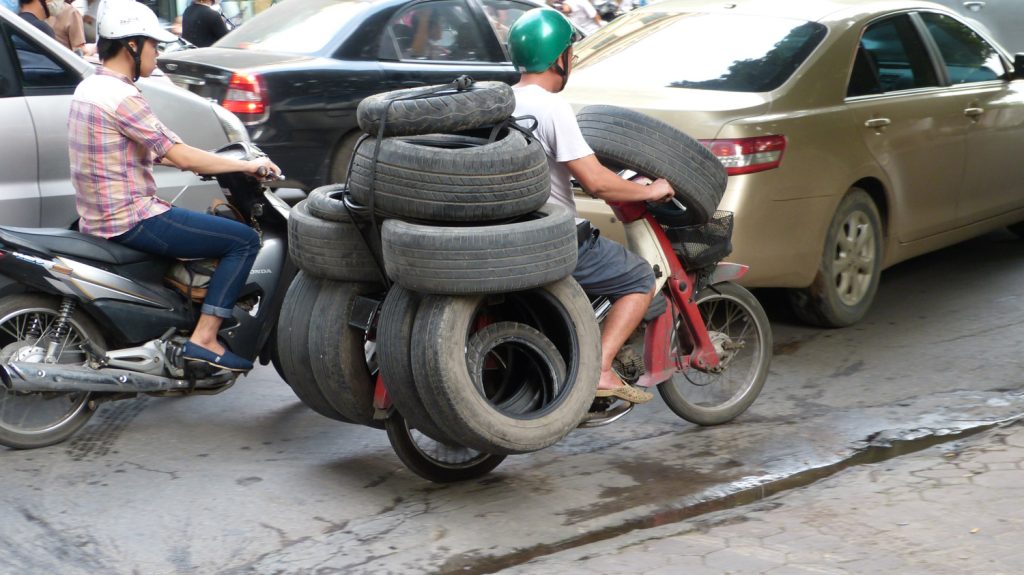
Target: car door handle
973	112
877	123
974	6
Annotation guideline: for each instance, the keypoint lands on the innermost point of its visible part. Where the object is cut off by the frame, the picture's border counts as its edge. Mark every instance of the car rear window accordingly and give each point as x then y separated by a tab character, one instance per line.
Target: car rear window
295	26
725	52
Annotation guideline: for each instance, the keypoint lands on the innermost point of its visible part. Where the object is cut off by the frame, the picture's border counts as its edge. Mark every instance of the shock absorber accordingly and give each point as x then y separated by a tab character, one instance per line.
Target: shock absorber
60	330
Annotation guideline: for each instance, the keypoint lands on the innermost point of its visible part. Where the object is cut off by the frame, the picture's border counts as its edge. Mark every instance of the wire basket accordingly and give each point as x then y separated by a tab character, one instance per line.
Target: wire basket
703	245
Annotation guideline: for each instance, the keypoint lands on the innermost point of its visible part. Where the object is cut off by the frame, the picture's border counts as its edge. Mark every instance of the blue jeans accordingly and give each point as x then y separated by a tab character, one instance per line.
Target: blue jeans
181	233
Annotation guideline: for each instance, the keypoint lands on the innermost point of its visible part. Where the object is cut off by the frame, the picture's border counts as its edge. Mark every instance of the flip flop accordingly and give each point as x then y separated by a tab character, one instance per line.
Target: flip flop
626	393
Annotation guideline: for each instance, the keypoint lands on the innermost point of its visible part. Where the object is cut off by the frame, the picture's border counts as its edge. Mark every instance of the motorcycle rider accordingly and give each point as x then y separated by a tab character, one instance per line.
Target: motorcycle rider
540	43
114	138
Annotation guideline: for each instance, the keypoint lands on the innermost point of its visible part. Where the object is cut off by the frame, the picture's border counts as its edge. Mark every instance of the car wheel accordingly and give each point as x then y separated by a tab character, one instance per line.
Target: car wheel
532	252
452	178
851	264
338	172
329	249
419	111
625	139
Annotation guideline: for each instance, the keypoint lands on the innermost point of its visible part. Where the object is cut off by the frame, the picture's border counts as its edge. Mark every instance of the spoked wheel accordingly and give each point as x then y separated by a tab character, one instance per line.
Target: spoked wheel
31	420
435	461
739	330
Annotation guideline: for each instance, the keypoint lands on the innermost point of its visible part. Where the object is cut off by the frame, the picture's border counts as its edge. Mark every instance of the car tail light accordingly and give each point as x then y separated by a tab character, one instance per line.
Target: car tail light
748	155
246	96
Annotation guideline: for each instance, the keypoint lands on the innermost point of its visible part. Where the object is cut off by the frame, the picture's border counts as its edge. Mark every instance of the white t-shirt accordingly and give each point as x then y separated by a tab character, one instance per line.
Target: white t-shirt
558	132
583	15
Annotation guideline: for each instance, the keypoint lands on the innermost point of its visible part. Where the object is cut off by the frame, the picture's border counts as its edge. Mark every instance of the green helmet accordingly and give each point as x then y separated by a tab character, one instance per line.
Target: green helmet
538	38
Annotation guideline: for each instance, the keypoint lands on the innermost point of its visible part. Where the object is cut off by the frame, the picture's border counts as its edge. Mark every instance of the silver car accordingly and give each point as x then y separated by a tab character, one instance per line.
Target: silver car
37	79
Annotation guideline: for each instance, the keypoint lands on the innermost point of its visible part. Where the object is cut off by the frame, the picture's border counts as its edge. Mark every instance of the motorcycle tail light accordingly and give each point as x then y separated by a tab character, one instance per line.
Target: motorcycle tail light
246	97
748	155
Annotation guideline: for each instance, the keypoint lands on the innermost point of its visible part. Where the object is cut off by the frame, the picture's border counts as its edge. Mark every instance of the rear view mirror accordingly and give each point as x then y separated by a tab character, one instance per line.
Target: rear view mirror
1018	66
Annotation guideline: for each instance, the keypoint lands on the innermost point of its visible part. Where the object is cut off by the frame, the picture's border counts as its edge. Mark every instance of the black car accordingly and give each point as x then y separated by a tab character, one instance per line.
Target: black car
295	73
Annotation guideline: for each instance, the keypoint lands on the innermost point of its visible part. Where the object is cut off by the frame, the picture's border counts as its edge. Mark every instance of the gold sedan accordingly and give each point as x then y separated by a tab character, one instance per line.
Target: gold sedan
856	134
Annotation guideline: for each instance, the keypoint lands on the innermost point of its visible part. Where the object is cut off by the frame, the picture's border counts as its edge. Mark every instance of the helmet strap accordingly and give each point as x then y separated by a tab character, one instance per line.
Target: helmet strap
136	57
561	66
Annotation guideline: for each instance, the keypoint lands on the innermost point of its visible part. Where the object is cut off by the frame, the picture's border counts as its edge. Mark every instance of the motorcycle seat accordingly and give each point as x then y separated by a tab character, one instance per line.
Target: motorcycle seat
72	243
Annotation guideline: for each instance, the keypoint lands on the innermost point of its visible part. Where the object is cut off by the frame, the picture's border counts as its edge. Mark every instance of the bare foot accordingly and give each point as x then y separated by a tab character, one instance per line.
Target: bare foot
609	380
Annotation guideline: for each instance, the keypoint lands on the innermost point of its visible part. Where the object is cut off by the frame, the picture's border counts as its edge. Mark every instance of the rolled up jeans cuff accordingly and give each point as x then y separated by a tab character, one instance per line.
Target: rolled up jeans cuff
221	312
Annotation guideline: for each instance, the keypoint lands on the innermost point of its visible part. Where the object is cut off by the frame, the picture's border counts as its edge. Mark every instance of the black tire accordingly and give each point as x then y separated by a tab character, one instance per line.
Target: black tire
531	252
737	323
626	139
327	203
293	345
424	112
453	178
394	352
445	327
436	461
329	250
850	269
338	352
29	421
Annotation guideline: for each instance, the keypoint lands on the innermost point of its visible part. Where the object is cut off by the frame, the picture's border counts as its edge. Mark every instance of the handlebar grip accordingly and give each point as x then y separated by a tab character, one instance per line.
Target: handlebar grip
262	172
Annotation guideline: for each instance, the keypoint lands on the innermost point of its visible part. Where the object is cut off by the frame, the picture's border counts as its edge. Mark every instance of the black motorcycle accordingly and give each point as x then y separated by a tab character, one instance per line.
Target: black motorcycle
84	320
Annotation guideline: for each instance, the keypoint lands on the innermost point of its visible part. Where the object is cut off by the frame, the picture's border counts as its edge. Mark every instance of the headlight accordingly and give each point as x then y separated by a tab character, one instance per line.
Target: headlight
233	127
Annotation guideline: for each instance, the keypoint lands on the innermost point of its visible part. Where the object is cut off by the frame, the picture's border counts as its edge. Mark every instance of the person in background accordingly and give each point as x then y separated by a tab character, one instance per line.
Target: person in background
540	43
35	12
68	27
583	14
201	24
89	19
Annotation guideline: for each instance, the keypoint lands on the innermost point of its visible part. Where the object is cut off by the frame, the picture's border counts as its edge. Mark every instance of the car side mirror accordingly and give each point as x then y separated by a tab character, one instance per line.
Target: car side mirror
1018	66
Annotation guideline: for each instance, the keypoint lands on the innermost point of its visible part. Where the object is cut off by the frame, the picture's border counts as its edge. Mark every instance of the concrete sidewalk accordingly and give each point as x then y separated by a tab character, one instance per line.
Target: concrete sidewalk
955	508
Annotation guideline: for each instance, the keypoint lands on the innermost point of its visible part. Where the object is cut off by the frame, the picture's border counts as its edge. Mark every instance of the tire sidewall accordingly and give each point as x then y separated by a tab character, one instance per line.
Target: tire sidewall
833	310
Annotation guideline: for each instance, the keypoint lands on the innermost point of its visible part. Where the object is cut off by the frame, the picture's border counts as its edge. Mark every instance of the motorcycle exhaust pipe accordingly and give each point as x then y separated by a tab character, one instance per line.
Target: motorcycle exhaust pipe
19	376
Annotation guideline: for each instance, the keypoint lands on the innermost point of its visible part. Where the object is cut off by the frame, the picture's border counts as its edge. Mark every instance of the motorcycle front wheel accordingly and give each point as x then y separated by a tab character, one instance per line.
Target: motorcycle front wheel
739	330
37	419
436	461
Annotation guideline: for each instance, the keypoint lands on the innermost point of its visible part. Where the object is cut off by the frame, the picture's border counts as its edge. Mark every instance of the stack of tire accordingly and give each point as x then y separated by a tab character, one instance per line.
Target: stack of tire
484	340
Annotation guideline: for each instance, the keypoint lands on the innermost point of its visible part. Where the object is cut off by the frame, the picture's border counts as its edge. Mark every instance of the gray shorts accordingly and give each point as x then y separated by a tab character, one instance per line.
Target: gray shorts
607	268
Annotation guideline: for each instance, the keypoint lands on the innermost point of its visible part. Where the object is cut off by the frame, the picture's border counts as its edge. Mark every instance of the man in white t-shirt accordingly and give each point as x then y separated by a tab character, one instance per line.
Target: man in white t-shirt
583	14
540	43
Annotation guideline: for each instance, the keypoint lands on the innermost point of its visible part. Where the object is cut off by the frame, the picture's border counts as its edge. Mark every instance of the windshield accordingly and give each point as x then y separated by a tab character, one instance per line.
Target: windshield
294	26
727	52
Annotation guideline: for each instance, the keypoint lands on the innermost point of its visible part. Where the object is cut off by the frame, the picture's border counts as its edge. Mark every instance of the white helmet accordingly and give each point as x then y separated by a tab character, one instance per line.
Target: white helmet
128	18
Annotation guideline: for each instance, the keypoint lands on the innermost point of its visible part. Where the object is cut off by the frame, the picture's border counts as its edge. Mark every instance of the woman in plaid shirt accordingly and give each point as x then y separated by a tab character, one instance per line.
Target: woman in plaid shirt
114	140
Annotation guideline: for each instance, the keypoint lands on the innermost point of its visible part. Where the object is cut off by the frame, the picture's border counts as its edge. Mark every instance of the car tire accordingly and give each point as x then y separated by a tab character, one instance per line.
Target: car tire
337	352
328	203
560	311
625	139
421	110
341	159
846	282
292	346
394	347
531	252
326	249
452	178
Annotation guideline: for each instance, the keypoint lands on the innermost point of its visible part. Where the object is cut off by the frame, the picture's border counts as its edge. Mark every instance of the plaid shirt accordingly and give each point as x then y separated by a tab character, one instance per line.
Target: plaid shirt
113	140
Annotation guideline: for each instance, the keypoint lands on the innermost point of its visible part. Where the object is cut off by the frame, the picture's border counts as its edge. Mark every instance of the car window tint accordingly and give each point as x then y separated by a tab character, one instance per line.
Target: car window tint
896	51
39	70
726	52
864	75
437	31
10	85
501	14
968	57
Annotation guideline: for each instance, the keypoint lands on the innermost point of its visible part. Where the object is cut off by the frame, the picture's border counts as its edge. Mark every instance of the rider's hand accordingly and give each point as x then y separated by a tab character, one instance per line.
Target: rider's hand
254	167
659	191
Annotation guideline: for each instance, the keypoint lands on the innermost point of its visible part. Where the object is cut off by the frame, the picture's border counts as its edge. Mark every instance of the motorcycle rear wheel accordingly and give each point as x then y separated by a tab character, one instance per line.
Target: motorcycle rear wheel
742	335
436	461
32	420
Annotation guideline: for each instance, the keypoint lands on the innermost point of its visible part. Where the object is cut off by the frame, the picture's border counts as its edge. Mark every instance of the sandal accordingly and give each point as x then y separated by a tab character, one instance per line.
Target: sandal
626	393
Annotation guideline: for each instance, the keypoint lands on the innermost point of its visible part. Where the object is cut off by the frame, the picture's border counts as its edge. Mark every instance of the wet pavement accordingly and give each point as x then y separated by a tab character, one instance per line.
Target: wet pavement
251	481
954	509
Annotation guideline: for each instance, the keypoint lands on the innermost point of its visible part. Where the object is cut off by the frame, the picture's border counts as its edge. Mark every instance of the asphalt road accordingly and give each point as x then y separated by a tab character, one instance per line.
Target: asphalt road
251	481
